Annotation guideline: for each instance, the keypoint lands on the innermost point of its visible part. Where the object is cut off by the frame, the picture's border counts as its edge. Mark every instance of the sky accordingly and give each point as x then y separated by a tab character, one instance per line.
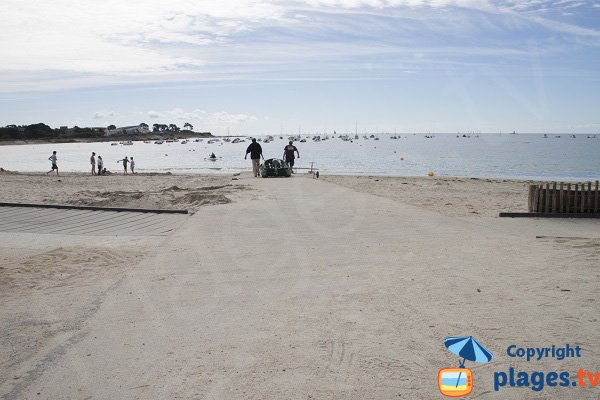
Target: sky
283	67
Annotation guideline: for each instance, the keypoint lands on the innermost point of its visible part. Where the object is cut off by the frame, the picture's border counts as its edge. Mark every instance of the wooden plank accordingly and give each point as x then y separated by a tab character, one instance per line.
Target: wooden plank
561	199
576	198
568	198
546	215
94	208
589	198
596	199
538	197
547	198
554	197
530	198
582	205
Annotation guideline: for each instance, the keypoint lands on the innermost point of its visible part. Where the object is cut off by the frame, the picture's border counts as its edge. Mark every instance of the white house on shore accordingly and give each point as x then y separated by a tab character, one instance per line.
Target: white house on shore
129	130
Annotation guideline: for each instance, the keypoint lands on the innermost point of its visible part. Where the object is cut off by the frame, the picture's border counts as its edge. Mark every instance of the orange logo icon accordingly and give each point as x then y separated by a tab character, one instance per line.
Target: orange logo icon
455	382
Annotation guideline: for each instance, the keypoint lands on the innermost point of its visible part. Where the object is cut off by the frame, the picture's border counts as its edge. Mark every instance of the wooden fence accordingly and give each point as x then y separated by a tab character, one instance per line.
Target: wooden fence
571	198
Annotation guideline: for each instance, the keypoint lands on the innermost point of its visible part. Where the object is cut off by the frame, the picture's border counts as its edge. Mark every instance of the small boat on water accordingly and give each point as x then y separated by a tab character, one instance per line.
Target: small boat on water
159	142
184	142
197	140
127	143
114	144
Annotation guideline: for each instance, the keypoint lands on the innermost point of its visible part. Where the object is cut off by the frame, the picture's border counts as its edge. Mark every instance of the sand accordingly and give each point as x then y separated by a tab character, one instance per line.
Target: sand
337	288
139	191
446	195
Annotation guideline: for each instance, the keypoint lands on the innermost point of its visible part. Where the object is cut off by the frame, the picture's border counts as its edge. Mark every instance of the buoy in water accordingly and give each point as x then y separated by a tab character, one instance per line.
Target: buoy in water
430	173
401	158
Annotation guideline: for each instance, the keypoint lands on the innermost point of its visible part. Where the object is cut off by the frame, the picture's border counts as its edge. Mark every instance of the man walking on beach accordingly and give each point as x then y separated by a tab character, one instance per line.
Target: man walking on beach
53	159
255	154
288	154
93	162
125	161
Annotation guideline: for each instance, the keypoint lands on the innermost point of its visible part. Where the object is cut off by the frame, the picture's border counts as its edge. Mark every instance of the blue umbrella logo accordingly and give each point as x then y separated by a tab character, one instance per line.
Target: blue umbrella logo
469	349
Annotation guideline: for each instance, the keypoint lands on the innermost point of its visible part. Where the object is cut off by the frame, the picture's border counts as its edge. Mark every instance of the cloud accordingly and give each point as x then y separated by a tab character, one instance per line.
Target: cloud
155	115
69	43
202	117
103	115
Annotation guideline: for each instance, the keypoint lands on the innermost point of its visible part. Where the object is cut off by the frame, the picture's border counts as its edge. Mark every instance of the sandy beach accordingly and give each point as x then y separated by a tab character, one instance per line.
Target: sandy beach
341	287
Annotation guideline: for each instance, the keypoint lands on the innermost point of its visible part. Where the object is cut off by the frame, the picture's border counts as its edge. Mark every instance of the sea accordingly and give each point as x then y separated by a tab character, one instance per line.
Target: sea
564	157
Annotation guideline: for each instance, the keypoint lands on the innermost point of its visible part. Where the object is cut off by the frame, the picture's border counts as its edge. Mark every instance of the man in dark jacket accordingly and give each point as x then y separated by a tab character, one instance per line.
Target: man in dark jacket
255	154
288	154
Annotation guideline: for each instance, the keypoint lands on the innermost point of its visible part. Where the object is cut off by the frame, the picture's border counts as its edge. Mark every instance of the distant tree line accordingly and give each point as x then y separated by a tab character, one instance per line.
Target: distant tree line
170	127
43	131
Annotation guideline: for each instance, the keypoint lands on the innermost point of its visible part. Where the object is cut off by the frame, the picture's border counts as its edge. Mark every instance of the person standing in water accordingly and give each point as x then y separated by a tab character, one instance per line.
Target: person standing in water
124	161
255	154
288	154
54	160
93	162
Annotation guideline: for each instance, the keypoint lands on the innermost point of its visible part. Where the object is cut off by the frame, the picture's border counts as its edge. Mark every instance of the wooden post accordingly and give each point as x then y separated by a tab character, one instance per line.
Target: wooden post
539	199
576	202
547	199
596	199
561	199
554	197
530	198
589	198
568	197
582	207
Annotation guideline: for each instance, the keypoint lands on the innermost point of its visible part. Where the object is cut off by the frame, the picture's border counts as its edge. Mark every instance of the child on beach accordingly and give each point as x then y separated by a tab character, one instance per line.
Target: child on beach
132	166
53	159
125	161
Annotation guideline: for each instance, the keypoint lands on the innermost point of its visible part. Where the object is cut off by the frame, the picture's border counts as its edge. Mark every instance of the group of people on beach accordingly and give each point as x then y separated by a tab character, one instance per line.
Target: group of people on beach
255	151
96	161
102	171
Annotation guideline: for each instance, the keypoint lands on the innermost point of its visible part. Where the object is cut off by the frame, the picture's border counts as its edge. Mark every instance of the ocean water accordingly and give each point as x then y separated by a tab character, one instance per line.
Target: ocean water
522	156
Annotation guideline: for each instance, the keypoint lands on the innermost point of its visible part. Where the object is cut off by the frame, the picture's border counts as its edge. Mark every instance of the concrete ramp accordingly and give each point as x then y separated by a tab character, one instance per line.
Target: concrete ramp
87	222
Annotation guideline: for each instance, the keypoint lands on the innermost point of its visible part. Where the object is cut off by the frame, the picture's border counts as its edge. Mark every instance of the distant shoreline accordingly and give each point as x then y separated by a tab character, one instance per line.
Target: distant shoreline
113	138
